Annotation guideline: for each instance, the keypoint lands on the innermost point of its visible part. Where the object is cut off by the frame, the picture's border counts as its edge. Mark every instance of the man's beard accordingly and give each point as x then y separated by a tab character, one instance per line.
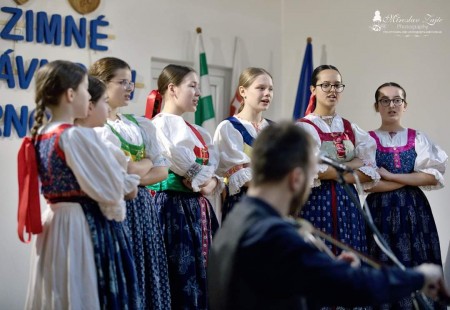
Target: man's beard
298	201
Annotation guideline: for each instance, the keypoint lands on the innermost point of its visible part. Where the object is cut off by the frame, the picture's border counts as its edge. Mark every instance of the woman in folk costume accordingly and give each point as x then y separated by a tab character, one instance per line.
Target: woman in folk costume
408	162
329	207
137	137
234	136
82	256
186	215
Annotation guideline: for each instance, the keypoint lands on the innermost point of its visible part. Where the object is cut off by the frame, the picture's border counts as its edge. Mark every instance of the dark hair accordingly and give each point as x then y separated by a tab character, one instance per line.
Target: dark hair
377	92
277	150
315	74
52	80
315	77
172	74
105	68
247	77
96	89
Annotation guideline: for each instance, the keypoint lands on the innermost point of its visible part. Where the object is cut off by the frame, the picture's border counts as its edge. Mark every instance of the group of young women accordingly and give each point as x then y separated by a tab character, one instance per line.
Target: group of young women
128	224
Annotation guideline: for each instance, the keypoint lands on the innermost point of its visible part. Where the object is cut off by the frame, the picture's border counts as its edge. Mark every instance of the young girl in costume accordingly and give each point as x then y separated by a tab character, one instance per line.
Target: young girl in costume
329	207
97	116
408	162
137	137
81	259
234	136
187	216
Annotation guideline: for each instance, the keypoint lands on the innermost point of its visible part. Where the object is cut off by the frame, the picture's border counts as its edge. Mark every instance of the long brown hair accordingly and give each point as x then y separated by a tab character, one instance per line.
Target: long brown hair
172	74
52	80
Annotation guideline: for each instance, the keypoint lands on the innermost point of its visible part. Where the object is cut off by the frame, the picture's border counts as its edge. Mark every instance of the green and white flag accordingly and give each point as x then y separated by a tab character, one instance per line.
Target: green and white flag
204	116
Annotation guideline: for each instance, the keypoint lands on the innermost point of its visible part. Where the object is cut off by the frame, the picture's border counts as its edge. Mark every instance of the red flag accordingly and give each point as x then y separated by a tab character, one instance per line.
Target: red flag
235	103
240	62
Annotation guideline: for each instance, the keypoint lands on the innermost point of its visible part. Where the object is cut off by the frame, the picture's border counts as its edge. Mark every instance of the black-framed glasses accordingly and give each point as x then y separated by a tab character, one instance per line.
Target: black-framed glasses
326	87
385	102
127	85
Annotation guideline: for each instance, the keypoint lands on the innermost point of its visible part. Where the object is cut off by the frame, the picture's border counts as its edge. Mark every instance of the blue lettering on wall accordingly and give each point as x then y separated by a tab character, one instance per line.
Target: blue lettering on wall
25	77
95	35
10	24
21	123
11	118
50	32
6	70
49	29
78	33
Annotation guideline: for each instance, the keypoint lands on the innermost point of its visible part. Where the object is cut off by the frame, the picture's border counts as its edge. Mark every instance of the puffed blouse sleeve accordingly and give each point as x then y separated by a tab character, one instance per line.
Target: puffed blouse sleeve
99	174
113	144
317	143
178	142
430	159
153	149
233	162
365	149
213	156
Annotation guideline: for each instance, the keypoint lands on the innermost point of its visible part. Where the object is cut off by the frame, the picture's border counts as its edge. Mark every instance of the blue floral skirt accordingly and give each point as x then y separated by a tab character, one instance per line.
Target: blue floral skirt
188	223
405	220
116	274
331	210
143	227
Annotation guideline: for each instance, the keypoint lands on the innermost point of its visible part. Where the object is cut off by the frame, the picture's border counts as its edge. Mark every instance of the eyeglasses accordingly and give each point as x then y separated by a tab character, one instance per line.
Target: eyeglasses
326	87
385	102
127	85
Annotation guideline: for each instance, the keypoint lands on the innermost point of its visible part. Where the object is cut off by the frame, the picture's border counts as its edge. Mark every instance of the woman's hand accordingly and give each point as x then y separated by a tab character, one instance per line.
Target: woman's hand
188	184
350	258
141	168
131	195
209	186
385	175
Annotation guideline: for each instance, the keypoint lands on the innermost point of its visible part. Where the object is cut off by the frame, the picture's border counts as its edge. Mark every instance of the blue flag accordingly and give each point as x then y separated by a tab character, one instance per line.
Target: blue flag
303	92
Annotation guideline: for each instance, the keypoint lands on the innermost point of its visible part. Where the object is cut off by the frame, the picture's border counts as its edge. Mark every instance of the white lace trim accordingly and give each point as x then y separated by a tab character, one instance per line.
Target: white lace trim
238	179
373	174
205	173
437	175
220	185
114	212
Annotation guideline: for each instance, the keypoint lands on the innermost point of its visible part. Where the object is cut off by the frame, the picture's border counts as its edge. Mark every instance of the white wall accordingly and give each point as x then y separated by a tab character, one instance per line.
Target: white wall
367	59
142	29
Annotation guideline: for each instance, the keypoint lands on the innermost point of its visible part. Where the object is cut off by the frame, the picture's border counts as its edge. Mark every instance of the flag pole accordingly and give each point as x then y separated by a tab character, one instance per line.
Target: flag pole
303	91
204	116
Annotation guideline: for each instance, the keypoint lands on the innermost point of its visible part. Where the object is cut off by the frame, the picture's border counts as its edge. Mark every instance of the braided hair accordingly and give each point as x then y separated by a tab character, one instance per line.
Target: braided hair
52	80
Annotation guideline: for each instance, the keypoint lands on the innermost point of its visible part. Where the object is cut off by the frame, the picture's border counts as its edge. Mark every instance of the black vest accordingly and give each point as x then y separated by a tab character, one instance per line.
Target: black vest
227	288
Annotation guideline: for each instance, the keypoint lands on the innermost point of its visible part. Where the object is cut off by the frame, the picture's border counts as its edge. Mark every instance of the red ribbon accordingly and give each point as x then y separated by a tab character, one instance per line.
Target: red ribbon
311	105
29	212
153	105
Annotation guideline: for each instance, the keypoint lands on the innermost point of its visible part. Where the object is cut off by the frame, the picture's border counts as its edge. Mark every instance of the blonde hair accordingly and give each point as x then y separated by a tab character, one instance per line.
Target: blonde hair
247	77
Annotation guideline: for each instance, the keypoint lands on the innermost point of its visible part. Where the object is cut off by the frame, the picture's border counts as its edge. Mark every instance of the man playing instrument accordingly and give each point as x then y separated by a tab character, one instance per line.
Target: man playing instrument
259	260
